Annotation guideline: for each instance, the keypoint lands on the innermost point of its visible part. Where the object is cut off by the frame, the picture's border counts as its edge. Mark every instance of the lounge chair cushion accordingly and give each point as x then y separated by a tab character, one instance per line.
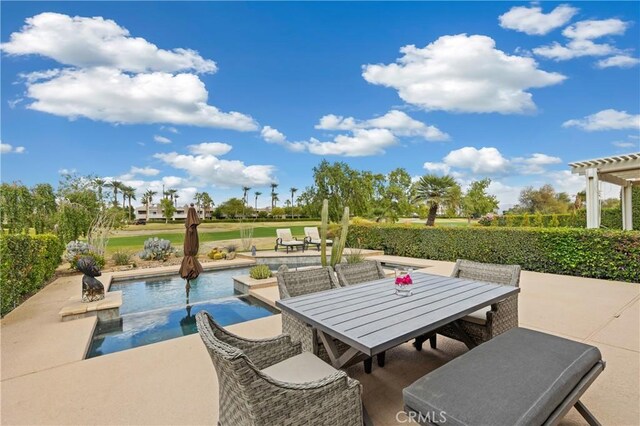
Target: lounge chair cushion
478	317
292	243
302	368
518	378
320	241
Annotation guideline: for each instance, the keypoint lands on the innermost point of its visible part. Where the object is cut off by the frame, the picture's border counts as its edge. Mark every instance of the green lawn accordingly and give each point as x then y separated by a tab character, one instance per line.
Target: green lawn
136	242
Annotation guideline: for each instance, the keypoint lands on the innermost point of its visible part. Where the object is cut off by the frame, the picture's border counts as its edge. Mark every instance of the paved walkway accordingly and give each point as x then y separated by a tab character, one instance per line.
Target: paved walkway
46	381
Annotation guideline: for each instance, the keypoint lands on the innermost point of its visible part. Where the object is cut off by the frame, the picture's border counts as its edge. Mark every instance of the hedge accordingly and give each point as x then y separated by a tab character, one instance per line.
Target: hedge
593	253
26	263
246	221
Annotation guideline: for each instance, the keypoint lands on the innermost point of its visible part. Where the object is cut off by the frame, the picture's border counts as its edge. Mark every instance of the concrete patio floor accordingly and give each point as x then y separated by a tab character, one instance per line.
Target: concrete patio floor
46	381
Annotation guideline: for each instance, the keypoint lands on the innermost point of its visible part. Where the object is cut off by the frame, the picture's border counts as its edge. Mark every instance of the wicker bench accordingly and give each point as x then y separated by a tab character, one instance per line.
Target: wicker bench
522	377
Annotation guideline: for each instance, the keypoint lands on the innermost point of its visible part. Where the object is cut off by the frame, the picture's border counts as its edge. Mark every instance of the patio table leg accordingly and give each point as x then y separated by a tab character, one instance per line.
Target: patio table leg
337	360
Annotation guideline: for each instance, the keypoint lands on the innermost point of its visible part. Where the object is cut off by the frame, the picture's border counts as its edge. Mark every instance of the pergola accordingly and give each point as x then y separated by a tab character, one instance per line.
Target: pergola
622	170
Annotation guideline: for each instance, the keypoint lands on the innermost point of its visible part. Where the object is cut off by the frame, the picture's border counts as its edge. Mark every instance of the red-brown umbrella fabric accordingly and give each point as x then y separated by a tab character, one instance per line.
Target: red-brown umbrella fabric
191	268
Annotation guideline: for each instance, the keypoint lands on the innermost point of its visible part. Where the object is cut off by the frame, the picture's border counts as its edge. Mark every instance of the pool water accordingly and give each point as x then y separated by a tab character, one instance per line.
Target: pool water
160	292
139	329
156	309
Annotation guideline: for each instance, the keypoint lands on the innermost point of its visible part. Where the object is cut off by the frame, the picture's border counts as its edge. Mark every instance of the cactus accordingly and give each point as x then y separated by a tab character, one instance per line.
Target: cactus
323	232
338	246
337	249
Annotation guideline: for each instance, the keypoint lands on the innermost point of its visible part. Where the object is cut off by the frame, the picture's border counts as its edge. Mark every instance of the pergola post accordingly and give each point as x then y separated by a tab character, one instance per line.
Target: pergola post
627	216
593	199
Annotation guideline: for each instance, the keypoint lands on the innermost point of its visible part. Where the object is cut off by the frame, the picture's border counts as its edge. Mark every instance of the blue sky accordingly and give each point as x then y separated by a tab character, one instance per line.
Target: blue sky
251	93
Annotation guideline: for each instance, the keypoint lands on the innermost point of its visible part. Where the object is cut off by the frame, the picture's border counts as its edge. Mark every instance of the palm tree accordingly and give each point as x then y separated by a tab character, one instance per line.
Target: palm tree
116	185
245	190
130	193
198	199
274	196
293	191
171	193
434	190
147	199
257	194
100	183
207	202
175	200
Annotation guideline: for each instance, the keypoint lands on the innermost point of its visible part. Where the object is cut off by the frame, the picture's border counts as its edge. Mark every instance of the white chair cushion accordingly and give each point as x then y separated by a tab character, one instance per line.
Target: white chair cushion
292	243
320	241
478	317
312	232
302	368
284	233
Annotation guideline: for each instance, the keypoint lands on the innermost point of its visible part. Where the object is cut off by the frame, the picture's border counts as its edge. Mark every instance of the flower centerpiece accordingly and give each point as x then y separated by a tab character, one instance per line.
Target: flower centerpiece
404	284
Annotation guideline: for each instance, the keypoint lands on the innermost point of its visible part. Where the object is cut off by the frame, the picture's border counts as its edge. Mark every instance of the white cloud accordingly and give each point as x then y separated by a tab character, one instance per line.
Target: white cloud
91	42
592	29
169	129
363	142
161	139
486	160
507	195
535	164
623	144
532	21
398	122
581	35
463	73
6	148
437	168
144	171
274	136
210	148
209	169
106	94
619	61
574	49
608	119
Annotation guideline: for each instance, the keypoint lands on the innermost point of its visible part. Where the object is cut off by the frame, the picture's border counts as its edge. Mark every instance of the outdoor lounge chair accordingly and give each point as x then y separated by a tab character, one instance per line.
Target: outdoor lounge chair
485	324
522	377
356	273
285	239
272	382
312	236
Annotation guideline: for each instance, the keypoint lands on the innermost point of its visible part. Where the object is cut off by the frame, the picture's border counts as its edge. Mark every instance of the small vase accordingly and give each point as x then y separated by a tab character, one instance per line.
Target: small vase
404	290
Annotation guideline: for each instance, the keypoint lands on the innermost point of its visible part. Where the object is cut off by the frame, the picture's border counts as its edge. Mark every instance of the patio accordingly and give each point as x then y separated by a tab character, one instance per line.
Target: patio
46	381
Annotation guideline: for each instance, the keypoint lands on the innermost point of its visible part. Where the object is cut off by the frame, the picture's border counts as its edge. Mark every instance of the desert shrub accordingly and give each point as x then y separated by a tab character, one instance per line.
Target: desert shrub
231	248
121	257
156	249
26	263
99	259
76	248
594	253
260	272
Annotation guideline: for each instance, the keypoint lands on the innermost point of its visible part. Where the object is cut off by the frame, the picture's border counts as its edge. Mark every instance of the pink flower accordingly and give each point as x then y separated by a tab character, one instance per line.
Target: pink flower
406	280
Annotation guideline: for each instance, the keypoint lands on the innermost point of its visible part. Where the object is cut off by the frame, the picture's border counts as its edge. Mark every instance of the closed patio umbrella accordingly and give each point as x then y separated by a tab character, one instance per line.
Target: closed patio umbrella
191	268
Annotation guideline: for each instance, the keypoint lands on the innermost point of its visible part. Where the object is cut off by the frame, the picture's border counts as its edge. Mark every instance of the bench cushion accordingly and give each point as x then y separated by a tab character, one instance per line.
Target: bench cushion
517	378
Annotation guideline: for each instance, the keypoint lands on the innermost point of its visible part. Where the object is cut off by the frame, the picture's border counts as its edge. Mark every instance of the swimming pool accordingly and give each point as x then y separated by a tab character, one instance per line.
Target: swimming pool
156	309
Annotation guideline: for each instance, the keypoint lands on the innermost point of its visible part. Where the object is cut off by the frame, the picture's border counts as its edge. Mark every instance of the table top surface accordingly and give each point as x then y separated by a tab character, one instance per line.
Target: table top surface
372	318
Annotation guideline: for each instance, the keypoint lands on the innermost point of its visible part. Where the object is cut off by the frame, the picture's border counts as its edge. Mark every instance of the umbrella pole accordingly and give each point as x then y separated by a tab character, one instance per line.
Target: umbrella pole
187	288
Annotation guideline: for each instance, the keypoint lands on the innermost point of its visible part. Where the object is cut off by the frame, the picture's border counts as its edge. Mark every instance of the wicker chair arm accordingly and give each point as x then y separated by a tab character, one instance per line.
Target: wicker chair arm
503	315
337	391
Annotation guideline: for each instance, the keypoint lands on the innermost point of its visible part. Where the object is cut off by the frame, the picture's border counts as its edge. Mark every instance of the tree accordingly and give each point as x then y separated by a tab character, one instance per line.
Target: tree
44	207
545	200
16	207
394	199
99	184
434	191
171	193
245	191
476	202
128	192
274	195
116	186
293	191
168	209
175	200
232	208
206	202
257	194
78	206
147	200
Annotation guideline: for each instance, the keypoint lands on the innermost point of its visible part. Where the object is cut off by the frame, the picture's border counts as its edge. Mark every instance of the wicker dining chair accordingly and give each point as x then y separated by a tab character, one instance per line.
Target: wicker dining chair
485	324
298	283
356	273
271	382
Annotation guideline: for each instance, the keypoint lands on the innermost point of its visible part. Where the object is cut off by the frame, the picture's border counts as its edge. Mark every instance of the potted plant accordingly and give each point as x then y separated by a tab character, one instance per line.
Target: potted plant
404	283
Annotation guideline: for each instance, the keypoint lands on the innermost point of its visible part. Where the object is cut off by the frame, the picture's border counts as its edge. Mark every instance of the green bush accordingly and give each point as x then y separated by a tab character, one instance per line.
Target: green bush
594	253
99	259
26	263
121	257
260	272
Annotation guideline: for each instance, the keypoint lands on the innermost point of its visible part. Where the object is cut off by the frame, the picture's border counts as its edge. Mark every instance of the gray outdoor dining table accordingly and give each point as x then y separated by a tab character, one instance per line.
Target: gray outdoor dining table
371	318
